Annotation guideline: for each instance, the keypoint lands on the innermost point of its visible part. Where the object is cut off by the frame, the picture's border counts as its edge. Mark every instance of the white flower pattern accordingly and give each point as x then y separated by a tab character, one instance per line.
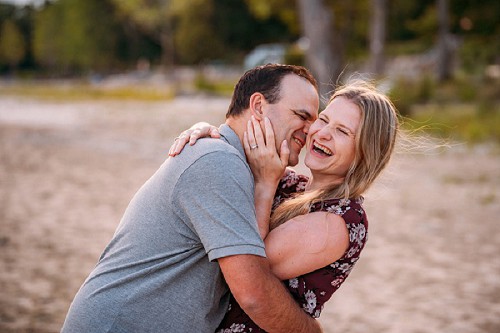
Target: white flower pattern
313	289
337	282
310	304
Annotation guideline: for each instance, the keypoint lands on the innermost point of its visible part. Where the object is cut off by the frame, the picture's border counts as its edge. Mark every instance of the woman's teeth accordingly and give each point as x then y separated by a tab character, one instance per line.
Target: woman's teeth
322	149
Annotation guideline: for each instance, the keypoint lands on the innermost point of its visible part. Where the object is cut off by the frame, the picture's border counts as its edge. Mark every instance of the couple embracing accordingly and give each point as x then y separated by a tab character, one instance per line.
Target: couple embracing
224	237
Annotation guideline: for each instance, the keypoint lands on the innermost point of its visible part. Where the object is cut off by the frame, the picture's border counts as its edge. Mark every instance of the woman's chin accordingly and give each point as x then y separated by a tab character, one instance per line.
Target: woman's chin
309	163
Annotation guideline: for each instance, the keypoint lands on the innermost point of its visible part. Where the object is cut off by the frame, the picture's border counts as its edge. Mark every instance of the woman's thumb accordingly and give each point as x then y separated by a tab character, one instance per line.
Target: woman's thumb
284	153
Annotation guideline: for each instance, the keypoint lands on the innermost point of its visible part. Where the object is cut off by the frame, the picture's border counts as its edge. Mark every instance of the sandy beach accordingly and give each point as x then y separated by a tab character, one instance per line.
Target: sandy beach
69	169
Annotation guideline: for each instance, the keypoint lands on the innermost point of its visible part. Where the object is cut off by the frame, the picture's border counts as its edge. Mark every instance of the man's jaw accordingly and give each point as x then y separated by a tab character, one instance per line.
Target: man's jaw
295	146
299	141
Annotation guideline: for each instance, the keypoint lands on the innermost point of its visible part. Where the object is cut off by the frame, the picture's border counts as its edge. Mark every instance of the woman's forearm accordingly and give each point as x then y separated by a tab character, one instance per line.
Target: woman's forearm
264	196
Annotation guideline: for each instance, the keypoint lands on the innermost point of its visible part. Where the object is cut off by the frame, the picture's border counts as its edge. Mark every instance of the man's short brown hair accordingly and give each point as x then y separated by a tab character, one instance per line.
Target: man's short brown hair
266	80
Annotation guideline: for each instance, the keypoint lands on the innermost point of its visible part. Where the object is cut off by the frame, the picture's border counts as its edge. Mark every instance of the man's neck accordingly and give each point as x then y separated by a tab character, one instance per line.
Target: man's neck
238	125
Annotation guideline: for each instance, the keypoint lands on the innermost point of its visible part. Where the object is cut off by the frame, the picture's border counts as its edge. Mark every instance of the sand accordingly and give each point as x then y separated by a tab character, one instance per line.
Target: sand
69	169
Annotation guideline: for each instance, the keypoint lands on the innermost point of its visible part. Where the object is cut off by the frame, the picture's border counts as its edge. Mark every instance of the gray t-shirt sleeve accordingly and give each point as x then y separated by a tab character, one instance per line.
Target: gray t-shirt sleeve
214	197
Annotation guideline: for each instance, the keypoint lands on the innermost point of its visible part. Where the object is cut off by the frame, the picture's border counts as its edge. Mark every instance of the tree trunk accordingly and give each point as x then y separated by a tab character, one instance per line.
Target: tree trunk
377	36
167	48
444	63
317	26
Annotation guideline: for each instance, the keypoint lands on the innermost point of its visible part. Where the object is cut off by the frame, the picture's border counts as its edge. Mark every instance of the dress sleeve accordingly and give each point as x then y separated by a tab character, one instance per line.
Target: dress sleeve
215	198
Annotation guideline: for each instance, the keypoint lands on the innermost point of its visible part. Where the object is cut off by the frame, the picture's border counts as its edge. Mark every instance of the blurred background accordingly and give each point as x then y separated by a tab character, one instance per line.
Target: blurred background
92	93
444	51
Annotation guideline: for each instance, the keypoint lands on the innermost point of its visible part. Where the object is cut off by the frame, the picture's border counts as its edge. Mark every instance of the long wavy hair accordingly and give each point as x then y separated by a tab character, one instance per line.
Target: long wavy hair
374	144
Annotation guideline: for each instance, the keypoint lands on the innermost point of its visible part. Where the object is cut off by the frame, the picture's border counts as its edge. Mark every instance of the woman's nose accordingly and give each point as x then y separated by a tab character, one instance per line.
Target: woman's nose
325	133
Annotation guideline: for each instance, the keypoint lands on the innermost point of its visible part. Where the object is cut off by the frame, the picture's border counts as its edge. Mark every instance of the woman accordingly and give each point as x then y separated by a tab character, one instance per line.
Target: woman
317	226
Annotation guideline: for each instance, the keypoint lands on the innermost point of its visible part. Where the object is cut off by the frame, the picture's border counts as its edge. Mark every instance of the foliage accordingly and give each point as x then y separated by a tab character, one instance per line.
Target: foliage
217	87
465	122
194	36
67	38
405	93
402	15
150	14
479	51
84	91
281	9
12	45
466	108
71	36
154	18
242	29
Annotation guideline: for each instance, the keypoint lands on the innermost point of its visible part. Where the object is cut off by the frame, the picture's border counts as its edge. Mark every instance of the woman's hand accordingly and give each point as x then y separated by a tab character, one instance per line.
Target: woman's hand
267	167
260	149
191	135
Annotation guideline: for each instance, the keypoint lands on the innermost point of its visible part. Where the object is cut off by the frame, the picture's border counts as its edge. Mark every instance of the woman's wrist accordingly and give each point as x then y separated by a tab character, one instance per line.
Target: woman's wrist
266	190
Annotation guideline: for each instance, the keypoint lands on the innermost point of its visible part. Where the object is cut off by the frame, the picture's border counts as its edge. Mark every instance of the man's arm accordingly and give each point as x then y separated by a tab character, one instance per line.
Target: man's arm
263	297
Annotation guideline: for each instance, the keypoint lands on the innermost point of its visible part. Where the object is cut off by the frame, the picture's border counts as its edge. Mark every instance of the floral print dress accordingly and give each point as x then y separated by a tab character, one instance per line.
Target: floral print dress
313	289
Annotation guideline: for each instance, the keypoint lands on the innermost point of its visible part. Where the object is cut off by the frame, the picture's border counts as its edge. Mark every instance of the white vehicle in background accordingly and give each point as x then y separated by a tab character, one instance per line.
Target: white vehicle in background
264	54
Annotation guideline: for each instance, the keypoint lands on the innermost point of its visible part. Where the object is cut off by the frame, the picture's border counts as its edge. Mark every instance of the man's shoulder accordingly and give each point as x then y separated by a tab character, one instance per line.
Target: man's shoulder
216	151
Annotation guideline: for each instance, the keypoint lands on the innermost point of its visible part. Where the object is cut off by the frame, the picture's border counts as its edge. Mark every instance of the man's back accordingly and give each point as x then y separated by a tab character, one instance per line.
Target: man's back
158	273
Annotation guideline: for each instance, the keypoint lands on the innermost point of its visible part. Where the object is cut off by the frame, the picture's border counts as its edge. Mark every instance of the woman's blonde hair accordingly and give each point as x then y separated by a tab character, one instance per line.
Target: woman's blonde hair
374	144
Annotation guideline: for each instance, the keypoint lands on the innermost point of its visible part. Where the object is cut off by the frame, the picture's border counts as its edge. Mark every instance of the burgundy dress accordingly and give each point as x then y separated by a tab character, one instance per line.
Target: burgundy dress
313	289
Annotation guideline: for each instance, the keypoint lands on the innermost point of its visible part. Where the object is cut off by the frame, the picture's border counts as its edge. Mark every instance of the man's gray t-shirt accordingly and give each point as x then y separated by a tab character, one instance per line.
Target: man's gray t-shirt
159	272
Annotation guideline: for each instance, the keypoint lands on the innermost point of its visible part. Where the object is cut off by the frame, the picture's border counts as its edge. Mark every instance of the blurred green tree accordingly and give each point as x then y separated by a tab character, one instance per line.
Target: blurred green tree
241	28
284	10
76	35
478	25
195	38
47	38
12	44
155	19
91	34
194	31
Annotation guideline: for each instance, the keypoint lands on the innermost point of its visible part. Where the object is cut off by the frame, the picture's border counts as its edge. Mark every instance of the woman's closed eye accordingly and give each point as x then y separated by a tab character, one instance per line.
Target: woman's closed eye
343	131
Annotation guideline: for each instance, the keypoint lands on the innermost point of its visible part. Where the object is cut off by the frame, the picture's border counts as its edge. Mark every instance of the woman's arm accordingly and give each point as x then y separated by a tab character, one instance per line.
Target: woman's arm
302	244
191	135
260	148
267	167
306	243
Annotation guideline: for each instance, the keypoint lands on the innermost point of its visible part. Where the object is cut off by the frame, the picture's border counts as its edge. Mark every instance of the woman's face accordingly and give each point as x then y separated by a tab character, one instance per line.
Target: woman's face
330	145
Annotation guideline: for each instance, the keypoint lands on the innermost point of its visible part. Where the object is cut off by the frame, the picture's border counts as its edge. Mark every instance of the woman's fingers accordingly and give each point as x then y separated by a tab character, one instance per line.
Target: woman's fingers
246	145
270	142
194	136
214	132
251	136
179	143
199	130
284	153
259	135
266	162
203	132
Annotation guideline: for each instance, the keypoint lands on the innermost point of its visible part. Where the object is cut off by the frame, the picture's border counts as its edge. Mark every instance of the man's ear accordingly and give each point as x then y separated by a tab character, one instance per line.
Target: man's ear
257	101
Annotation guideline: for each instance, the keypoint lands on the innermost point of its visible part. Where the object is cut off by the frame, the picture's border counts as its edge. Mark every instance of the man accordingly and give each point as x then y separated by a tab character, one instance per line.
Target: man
191	229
